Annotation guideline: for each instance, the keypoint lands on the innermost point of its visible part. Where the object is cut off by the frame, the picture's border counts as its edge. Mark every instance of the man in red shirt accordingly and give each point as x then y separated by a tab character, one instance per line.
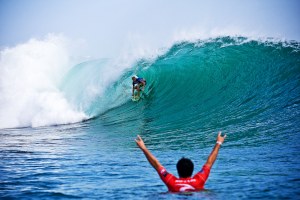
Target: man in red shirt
185	167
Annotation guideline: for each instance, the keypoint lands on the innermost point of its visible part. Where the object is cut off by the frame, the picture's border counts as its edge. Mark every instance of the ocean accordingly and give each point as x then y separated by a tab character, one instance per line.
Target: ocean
67	130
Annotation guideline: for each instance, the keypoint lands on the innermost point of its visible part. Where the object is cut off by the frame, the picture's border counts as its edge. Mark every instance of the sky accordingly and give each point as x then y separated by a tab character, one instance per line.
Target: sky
108	27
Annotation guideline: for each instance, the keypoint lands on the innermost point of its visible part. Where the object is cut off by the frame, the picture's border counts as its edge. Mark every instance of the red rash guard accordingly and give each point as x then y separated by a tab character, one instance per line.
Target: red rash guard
175	184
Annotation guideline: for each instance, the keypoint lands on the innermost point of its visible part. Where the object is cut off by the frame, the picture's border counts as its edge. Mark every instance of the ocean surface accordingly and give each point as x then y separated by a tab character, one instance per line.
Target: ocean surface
71	136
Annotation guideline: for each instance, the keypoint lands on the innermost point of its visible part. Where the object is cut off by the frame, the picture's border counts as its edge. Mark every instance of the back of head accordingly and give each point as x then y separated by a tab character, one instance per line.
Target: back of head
185	168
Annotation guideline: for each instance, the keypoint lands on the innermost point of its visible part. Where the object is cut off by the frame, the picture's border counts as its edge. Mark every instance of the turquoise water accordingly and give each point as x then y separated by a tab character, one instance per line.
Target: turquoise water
249	89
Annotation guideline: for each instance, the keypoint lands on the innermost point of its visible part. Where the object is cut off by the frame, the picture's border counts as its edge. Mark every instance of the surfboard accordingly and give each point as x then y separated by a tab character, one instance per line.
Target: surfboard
135	98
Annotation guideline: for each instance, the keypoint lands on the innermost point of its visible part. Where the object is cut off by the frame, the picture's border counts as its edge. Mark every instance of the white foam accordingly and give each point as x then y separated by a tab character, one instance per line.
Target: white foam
196	34
30	74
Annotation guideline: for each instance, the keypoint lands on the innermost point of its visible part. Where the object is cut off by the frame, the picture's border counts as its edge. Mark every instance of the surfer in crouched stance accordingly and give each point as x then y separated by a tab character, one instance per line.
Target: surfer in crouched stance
185	167
137	84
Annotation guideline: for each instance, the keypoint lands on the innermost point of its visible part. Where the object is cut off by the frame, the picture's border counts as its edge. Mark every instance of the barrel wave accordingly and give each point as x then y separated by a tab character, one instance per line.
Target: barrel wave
237	84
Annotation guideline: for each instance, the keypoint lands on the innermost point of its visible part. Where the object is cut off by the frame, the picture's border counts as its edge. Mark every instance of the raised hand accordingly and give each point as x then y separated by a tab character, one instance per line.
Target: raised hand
139	141
220	138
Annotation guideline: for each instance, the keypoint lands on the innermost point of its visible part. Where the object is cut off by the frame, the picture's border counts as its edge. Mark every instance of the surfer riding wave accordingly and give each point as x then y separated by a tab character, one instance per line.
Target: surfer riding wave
138	84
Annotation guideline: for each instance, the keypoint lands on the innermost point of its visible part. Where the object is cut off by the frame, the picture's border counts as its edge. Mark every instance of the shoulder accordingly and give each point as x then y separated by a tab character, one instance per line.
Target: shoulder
165	175
204	169
162	171
203	173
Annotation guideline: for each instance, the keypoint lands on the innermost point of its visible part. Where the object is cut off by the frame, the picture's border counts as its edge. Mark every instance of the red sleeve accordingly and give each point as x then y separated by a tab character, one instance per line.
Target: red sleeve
165	176
203	174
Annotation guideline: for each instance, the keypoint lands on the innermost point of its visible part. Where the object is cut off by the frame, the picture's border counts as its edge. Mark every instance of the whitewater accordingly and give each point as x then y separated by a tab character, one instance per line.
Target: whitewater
71	123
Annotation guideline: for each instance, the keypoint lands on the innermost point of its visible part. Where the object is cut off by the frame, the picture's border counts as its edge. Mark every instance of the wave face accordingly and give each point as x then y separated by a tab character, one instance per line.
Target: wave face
226	83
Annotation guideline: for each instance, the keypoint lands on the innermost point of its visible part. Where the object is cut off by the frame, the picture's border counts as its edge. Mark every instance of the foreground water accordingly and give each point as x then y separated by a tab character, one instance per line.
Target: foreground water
86	161
248	89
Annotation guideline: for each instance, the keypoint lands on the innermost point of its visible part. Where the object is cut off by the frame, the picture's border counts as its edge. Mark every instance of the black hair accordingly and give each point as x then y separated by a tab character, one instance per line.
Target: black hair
185	167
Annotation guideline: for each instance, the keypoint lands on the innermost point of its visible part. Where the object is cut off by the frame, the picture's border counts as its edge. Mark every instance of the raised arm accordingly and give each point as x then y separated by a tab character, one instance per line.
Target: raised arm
213	155
152	160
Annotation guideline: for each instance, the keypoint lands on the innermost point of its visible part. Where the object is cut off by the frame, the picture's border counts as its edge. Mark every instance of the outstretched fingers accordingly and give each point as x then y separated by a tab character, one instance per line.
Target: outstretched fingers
220	135
137	139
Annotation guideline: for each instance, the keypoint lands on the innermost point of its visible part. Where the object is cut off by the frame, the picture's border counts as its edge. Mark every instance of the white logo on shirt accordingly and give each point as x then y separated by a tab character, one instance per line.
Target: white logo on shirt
185	187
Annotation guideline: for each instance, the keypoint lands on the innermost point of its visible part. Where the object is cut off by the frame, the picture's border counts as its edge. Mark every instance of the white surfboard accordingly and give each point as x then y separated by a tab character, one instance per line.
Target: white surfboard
135	98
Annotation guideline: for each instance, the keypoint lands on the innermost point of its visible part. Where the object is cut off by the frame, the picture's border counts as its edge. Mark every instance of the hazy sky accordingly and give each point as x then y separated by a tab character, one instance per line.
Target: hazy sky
107	26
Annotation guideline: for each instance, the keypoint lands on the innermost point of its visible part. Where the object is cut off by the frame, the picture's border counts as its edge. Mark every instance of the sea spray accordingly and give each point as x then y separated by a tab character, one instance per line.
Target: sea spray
30	76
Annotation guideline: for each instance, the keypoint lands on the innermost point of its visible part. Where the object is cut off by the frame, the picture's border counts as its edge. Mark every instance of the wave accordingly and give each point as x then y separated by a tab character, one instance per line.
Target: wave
206	84
228	83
